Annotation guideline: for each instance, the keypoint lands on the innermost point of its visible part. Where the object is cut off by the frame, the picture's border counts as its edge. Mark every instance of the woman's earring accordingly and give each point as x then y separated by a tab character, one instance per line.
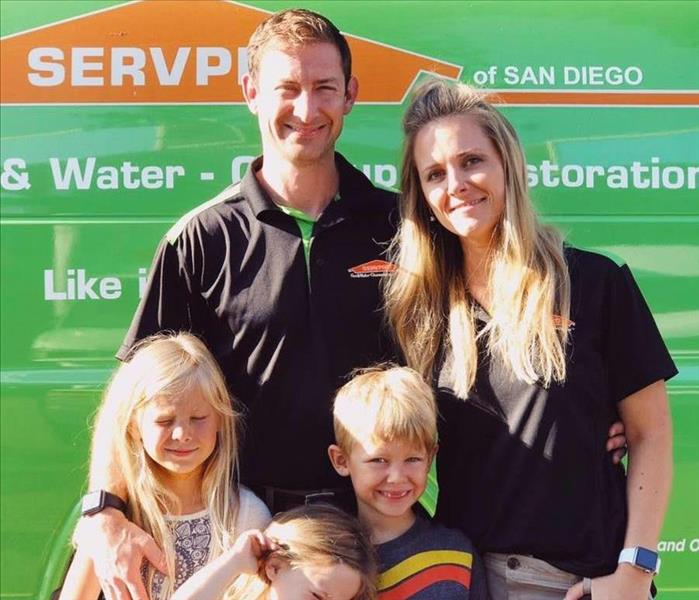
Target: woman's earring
432	218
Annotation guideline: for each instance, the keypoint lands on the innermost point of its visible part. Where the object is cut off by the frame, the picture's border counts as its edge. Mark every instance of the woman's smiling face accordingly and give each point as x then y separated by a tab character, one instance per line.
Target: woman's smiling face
462	177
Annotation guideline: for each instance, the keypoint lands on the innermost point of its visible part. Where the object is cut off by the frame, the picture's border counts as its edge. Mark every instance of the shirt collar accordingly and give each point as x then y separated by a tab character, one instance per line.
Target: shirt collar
355	193
253	192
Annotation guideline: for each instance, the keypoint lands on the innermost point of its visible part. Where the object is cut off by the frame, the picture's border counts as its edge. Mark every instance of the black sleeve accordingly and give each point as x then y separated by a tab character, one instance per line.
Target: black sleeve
635	352
167	301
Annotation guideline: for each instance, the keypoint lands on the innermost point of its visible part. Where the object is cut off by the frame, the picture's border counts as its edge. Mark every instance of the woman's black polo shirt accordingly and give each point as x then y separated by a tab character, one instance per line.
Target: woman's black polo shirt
233	272
523	469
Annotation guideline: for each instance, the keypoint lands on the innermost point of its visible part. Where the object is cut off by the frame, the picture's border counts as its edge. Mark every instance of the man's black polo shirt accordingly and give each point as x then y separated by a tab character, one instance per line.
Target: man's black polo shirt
233	272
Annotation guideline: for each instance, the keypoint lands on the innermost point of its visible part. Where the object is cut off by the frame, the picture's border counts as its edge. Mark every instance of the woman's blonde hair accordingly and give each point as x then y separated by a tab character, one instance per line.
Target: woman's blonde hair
427	301
171	366
314	535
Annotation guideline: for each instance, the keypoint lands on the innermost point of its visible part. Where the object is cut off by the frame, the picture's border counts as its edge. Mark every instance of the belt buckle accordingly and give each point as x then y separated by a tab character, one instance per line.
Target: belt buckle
319	497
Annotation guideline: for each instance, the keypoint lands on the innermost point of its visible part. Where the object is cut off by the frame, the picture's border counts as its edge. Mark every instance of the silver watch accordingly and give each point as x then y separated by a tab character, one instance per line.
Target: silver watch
641	558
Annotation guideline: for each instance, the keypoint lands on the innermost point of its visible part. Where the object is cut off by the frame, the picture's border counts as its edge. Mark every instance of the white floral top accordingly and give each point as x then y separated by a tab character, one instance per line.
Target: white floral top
193	538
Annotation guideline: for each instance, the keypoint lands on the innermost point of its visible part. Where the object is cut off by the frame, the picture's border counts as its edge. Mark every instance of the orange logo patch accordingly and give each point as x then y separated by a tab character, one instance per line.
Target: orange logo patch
561	323
373	268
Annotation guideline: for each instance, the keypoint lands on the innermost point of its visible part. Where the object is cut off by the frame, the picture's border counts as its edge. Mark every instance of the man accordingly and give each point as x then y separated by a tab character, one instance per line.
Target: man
266	273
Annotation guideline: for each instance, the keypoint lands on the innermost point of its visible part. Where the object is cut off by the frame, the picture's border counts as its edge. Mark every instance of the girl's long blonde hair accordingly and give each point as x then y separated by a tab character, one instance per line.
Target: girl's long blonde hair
314	535
167	366
427	301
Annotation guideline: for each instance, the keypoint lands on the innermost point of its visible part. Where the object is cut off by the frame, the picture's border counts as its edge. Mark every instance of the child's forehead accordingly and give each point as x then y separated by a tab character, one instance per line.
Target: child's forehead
188	399
372	444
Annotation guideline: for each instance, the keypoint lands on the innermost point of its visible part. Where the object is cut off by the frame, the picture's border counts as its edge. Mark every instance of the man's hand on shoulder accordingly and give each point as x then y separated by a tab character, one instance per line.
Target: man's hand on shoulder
117	548
616	442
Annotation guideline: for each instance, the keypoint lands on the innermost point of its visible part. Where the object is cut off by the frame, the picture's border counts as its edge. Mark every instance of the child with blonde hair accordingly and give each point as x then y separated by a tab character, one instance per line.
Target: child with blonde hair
316	551
176	446
385	421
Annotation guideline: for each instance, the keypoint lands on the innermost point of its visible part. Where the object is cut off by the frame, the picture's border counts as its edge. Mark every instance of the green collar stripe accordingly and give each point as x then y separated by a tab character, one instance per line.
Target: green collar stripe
431	493
305	223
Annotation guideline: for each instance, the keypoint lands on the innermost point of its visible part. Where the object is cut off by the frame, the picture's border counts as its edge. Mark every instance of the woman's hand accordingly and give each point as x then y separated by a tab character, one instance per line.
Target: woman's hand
626	583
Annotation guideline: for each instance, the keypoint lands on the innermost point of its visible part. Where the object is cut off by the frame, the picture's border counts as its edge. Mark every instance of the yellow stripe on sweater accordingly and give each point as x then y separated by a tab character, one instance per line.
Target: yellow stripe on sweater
420	562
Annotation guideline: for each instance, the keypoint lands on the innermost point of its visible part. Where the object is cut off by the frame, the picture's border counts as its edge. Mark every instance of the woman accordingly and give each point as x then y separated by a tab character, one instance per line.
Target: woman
536	349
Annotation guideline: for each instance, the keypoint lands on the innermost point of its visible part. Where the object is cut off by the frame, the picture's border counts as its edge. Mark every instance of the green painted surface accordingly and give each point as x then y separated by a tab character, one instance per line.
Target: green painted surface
20	15
56	354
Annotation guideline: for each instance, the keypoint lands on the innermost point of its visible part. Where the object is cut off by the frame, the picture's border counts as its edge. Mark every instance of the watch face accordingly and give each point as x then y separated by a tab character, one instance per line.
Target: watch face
646	559
92	503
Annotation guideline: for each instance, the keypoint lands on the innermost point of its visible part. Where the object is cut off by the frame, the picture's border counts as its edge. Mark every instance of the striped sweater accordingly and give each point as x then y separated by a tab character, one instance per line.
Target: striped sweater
430	562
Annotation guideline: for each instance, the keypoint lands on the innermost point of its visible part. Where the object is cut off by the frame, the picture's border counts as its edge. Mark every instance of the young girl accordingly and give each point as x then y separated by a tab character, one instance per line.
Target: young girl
178	453
311	552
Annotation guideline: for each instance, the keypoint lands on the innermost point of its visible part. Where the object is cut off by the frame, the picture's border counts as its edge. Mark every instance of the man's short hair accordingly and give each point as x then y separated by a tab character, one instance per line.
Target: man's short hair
293	28
385	403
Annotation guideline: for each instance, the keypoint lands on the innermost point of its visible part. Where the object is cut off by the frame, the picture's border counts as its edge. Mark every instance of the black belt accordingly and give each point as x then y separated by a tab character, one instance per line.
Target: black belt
280	499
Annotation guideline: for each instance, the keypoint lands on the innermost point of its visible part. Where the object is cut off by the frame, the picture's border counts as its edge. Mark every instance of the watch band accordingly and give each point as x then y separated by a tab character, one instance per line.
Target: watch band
642	558
97	501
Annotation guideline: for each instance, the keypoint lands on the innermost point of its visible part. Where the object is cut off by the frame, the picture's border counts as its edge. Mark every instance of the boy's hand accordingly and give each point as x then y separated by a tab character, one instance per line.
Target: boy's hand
616	442
117	548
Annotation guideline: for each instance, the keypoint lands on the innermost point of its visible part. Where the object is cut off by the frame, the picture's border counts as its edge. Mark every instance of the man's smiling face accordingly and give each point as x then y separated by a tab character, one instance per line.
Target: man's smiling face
300	99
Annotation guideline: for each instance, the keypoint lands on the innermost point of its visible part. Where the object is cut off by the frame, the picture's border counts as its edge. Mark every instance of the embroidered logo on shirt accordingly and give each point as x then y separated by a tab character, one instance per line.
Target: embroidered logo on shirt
373	268
561	323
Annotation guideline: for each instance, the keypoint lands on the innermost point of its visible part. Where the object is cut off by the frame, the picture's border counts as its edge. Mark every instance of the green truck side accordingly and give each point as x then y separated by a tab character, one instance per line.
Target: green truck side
605	96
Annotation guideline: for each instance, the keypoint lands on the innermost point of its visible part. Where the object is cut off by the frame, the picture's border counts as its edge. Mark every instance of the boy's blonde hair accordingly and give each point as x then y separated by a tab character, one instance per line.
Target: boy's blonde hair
314	535
385	403
168	365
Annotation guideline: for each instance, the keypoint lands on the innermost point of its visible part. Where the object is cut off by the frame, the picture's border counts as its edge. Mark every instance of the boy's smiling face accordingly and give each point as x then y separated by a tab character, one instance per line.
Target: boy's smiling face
388	477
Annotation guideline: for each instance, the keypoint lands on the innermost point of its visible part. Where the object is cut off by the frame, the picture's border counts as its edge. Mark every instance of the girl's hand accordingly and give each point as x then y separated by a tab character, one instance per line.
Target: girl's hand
626	583
250	547
243	557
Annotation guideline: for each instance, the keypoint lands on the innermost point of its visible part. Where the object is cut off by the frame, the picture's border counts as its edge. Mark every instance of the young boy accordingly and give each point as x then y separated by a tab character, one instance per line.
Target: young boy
385	422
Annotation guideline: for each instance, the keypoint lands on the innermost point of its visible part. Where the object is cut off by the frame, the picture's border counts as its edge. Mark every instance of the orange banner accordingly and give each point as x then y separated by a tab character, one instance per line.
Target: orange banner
164	51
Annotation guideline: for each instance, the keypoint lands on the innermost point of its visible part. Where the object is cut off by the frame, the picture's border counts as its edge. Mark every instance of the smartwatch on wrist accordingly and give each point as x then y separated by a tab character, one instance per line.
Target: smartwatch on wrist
642	558
97	501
